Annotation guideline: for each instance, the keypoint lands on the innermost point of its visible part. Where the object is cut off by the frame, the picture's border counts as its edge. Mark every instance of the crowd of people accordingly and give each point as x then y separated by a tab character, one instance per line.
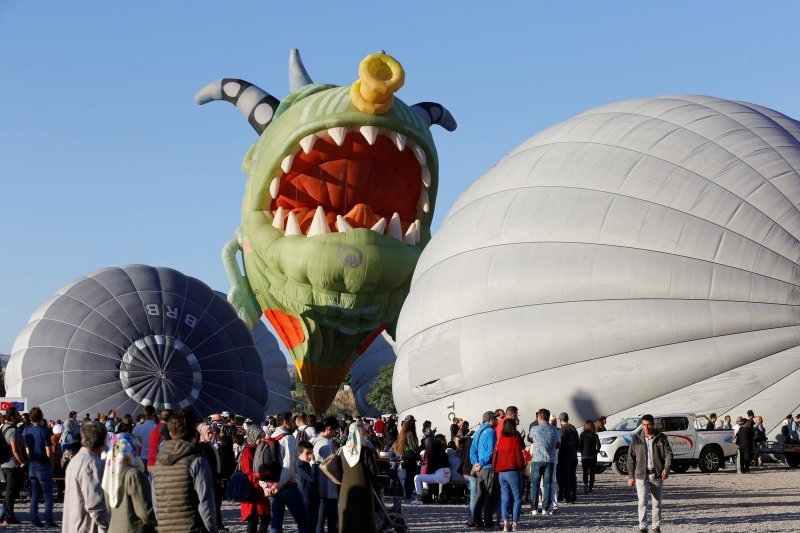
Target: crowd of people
502	464
171	471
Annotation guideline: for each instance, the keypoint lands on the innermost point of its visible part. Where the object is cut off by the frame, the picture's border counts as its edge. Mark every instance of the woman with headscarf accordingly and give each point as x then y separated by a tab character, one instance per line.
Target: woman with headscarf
359	470
126	488
257	505
70	442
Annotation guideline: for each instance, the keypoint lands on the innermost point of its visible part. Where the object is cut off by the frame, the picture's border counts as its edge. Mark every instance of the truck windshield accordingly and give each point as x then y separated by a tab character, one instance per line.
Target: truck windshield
626	424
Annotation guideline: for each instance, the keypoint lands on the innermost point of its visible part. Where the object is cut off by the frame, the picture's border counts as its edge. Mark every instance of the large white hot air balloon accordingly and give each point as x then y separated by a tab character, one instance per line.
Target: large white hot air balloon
643	251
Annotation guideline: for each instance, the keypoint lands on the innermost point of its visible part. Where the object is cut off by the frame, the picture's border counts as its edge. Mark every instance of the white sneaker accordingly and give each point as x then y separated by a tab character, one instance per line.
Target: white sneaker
415	502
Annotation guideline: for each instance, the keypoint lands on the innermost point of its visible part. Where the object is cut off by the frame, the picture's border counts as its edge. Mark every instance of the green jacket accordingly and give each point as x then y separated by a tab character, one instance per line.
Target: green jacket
134	513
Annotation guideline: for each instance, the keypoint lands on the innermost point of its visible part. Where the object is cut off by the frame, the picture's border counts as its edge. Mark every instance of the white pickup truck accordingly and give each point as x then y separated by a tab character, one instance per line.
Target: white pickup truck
705	449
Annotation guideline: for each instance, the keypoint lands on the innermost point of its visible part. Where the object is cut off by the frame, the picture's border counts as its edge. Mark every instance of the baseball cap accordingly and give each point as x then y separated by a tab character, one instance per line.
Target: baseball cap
488	415
563	416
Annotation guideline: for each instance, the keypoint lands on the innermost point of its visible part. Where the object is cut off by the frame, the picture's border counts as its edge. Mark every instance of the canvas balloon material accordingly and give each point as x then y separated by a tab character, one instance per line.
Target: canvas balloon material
124	337
366	369
643	249
341	186
276	373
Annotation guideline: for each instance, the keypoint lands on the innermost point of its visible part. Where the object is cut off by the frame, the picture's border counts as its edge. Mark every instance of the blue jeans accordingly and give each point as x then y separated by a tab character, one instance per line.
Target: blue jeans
328	511
291	497
41	477
539	471
511	494
472	481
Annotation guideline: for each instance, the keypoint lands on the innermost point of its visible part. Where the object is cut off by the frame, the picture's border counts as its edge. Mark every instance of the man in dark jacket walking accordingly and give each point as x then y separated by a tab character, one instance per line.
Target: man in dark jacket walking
649	461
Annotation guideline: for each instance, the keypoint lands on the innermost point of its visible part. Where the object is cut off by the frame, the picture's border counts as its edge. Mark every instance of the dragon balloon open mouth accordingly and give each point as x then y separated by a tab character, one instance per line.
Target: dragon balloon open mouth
342	179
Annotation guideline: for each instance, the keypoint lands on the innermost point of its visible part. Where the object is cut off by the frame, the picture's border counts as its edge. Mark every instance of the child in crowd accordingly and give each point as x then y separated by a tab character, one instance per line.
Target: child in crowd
307	472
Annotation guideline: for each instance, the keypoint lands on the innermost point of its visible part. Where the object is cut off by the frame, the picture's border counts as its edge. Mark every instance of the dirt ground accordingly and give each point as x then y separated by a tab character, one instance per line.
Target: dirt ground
767	500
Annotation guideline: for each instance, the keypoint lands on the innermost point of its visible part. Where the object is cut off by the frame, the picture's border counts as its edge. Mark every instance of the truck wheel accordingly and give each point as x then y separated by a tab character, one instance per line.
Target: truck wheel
793	459
680	469
709	461
620	465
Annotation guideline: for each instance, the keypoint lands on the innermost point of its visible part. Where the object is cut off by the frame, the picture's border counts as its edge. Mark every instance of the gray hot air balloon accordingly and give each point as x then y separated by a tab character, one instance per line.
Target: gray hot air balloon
365	371
276	372
641	255
126	336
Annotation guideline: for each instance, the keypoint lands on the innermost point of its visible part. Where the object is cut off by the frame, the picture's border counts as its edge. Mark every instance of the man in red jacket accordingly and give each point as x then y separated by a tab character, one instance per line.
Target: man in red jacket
156	436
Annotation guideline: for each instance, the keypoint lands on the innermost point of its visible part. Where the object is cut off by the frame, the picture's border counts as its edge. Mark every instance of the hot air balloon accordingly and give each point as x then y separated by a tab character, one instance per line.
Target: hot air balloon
337	208
643	250
276	374
123	337
366	369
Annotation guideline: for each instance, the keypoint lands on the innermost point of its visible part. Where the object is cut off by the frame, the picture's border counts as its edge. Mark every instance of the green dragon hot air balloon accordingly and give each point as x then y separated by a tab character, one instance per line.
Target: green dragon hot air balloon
337	208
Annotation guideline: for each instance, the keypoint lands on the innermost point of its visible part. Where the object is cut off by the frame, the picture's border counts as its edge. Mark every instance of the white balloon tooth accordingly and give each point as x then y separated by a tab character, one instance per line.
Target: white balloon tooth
342	225
274	185
370	133
286	164
319	225
379	226
410	236
338	135
277	222
417	231
399	140
419	153
307	143
395	228
426	176
424	201
292	227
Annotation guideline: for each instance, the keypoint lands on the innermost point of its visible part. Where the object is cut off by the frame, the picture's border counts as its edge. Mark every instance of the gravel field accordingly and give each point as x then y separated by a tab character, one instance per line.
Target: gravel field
767	500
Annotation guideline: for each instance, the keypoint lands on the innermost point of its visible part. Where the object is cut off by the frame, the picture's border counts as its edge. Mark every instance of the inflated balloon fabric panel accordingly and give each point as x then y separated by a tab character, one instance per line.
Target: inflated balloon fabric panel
121	338
630	252
276	371
767	386
366	369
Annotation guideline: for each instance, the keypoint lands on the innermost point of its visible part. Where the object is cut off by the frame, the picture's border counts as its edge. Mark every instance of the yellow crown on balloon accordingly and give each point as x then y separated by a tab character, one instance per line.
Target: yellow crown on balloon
379	77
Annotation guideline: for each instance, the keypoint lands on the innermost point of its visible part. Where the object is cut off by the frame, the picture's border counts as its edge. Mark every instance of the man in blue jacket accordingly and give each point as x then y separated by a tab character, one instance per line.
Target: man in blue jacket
480	453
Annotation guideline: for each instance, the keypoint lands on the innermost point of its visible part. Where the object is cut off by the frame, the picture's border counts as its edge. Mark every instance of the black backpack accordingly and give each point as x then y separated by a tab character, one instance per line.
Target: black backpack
267	462
302	435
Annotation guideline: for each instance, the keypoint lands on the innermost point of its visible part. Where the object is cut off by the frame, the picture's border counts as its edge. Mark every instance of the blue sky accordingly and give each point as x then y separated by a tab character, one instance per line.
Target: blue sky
105	159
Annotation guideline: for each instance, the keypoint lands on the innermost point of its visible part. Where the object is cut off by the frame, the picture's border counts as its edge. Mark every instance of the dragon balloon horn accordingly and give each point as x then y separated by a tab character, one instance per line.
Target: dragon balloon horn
337	208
